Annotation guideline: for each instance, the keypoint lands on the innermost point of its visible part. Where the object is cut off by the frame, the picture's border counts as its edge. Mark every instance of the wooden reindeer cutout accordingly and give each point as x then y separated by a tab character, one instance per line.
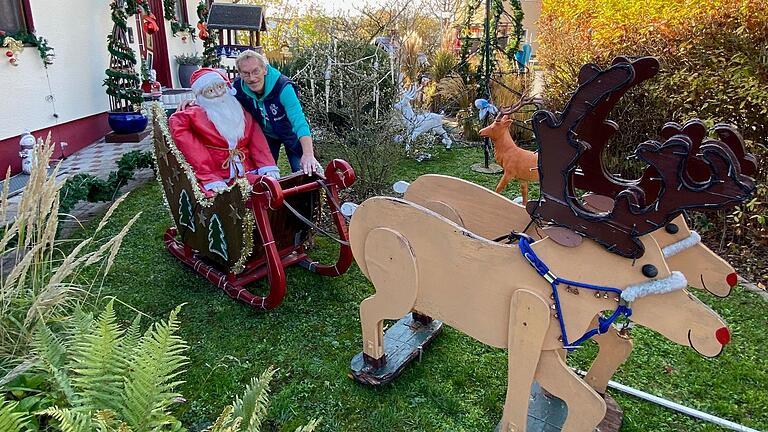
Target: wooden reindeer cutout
491	215
633	215
420	261
519	164
538	297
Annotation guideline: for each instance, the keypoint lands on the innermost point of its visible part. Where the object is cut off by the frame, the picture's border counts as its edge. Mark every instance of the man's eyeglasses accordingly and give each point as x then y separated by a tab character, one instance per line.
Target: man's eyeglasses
255	72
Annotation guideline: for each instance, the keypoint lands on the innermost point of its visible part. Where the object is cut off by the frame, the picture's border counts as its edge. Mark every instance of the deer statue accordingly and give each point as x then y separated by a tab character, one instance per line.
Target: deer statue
420	261
536	291
518	163
416	124
491	215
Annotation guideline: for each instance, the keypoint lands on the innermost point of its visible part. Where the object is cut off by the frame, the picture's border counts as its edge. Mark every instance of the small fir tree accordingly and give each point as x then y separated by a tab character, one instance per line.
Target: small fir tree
216	241
186	218
122	80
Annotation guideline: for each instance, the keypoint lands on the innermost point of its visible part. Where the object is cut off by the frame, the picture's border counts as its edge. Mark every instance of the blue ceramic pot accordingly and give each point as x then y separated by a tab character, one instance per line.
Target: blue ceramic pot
127	122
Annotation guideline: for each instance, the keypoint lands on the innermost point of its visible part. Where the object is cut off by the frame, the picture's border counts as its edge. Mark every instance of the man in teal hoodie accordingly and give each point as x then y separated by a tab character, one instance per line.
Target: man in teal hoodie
271	98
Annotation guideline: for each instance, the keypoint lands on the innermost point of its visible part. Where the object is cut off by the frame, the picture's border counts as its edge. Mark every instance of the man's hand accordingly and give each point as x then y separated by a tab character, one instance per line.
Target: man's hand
309	165
185	104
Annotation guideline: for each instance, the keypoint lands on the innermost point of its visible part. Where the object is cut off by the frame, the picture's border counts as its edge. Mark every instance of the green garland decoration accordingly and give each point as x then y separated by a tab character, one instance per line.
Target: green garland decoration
517	18
87	187
497	10
210	59
470	10
134	7
43	49
123	83
169	11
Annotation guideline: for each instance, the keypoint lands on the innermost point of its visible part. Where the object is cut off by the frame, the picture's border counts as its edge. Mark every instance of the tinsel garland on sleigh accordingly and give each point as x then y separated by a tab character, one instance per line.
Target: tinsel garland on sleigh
159	120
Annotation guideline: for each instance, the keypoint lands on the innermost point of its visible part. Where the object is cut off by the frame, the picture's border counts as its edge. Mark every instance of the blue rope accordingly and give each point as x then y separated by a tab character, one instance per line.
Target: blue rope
604	324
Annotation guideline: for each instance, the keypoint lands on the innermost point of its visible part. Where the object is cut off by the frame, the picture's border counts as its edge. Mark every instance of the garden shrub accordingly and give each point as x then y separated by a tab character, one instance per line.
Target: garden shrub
350	124
87	187
714	66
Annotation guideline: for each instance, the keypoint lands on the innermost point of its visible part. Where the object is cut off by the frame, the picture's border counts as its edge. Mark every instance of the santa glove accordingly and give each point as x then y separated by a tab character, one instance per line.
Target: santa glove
216	186
269	171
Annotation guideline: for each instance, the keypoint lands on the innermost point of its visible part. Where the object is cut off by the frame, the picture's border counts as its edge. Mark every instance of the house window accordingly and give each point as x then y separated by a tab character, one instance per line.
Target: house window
181	11
15	16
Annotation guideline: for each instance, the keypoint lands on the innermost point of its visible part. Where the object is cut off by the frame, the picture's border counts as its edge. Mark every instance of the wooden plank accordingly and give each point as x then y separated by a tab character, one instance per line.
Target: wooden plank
404	342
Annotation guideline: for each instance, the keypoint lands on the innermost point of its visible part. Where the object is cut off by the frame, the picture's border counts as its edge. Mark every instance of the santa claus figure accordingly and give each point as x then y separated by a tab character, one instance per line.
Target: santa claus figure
217	137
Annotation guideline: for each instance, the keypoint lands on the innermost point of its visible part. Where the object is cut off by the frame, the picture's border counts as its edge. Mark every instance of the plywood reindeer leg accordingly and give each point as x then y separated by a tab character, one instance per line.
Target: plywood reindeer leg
504	181
528	324
614	351
392	270
585	407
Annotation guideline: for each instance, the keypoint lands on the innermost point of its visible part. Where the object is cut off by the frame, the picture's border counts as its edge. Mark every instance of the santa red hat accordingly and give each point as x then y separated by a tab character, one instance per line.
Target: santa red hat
205	77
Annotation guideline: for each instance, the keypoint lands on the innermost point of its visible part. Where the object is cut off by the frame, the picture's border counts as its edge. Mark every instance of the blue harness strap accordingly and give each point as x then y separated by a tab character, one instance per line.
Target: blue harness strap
604	324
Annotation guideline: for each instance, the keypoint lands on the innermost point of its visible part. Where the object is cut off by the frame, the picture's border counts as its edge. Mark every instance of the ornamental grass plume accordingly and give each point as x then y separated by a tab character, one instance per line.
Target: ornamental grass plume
40	275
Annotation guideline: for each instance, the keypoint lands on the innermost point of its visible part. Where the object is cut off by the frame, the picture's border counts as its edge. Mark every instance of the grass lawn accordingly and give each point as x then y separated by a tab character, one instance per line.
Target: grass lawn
459	385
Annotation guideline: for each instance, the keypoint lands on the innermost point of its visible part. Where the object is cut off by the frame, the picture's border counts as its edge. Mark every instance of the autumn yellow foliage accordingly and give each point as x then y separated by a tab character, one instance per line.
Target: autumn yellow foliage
714	66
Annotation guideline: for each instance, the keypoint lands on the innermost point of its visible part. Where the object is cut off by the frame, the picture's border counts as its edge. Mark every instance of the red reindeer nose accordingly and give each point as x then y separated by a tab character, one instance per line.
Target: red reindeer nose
723	335
731	280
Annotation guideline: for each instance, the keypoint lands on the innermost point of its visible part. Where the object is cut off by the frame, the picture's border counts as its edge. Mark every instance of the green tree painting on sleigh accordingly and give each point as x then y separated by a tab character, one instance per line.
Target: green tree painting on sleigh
122	80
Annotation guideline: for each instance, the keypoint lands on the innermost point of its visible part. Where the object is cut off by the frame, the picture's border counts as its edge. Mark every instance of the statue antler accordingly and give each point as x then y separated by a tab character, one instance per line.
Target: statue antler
524	100
562	149
593	176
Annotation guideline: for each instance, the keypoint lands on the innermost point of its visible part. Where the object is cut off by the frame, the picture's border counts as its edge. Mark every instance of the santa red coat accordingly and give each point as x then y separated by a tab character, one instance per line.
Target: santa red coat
208	152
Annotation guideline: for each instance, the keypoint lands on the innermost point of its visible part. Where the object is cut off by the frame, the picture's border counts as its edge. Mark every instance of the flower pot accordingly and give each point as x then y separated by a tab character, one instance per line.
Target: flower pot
185	72
124	123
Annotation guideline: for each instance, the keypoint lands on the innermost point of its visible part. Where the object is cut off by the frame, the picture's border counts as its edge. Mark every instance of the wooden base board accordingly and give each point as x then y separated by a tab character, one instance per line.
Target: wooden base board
546	413
134	137
491	169
403	343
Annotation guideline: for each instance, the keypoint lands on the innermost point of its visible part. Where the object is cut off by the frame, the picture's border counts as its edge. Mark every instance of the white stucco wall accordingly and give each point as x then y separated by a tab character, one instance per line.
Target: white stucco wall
77	30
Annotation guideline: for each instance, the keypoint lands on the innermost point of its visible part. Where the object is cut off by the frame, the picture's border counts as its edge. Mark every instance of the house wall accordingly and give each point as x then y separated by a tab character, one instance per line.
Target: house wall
77	30
531	14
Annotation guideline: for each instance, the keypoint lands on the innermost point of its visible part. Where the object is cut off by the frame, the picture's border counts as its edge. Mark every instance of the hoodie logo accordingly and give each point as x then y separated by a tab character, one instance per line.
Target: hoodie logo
273	108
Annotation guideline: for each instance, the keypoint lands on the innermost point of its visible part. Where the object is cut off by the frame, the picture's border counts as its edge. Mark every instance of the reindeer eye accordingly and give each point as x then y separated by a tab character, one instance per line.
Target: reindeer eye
650	271
672	228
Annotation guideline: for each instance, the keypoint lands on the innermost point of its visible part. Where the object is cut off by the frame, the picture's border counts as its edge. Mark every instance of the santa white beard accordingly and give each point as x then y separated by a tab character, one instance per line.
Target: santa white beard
226	114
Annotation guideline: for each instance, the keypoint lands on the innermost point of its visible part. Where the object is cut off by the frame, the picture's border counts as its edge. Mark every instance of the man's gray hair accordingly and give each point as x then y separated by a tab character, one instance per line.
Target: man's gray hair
251	54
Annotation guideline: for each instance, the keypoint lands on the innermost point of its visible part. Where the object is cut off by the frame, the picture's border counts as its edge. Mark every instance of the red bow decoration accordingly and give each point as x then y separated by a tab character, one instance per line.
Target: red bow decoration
150	24
202	30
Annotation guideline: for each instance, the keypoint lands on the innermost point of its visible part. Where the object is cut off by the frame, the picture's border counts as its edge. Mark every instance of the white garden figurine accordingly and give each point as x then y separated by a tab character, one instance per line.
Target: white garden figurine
416	124
27	153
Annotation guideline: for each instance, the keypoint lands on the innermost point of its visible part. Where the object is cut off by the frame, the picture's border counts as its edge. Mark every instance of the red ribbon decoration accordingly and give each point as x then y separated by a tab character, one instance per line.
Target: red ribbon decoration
150	24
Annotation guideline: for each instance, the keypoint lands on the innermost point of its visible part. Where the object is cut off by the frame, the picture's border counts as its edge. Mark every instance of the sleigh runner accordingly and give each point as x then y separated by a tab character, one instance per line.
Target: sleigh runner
250	231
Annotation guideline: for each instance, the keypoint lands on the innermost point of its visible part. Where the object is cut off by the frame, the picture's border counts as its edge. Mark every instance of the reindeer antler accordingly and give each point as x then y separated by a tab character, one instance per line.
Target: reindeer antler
561	149
524	100
597	130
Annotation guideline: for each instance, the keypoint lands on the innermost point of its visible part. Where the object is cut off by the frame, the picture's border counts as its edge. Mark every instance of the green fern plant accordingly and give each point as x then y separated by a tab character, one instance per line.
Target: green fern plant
249	410
10	419
108	378
113	379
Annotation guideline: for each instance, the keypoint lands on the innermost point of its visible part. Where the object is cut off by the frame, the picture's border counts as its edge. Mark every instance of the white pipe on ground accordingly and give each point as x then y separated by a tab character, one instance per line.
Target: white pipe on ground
677	407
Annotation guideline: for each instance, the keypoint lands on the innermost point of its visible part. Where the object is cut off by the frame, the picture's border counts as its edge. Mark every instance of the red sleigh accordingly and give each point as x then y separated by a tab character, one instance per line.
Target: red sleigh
250	231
